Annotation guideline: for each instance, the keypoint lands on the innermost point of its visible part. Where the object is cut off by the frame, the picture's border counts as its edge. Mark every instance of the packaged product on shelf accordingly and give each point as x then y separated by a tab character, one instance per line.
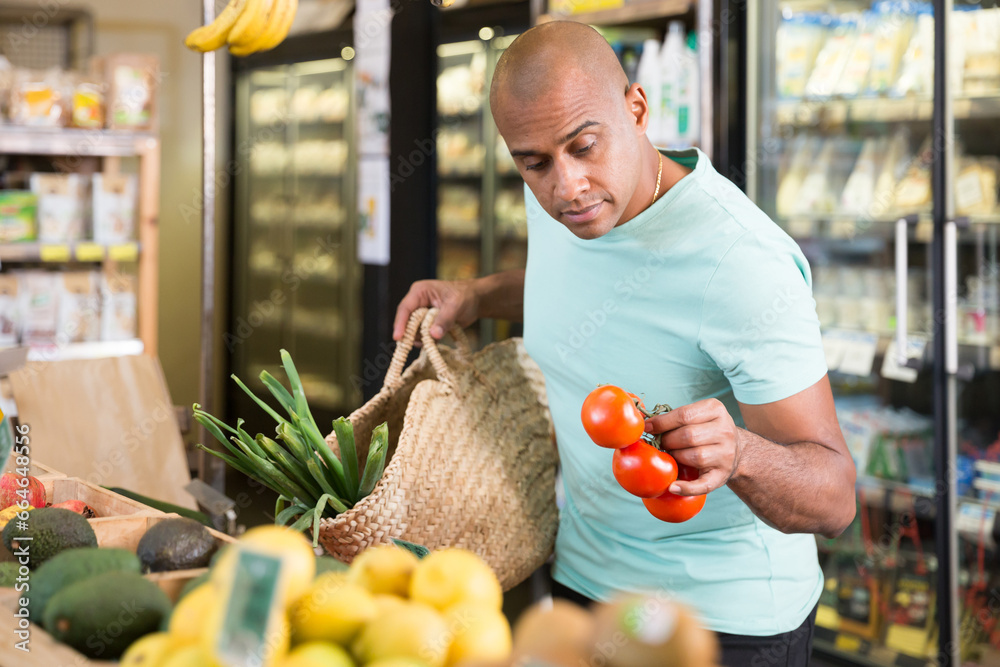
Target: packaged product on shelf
6	81
304	103
62	206
333	104
895	27
269	105
88	104
460	87
459	152
115	207
833	57
118	307
18	212
976	186
9	310
268	158
857	68
981	67
823	184
649	77
320	157
804	150
79	298
859	192
38	293
913	193
797	43
133	79
672	81
910	619
458	211
40	98
891	171
916	76
505	162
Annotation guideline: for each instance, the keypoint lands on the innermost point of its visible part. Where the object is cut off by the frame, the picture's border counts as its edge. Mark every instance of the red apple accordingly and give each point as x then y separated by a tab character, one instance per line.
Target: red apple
11	484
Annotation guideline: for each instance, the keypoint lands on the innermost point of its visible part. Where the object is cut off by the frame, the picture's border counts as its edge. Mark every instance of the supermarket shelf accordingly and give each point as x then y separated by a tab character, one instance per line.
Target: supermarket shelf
982	357
459	237
96	350
848	649
83	251
628	13
69	141
805	113
850	228
461	175
869	483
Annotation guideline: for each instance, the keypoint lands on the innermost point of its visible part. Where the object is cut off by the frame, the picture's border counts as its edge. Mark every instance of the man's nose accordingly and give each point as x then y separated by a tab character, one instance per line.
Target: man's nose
571	181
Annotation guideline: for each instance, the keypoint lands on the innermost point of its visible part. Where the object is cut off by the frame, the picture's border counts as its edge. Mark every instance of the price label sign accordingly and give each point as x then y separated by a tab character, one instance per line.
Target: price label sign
248	635
890	365
127	252
859	354
54	253
89	252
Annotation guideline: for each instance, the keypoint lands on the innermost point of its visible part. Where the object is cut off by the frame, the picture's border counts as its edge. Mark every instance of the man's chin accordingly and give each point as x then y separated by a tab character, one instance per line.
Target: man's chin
594	229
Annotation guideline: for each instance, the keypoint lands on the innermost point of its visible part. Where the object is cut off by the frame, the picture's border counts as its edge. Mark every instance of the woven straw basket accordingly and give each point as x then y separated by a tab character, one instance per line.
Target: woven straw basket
472	461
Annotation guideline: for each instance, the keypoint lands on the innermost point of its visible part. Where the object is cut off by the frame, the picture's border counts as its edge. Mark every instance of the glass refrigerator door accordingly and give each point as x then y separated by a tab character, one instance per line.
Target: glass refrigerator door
839	151
972	275
296	276
461	158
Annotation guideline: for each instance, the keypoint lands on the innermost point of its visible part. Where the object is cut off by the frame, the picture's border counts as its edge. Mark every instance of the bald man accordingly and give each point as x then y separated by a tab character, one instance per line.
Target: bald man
648	270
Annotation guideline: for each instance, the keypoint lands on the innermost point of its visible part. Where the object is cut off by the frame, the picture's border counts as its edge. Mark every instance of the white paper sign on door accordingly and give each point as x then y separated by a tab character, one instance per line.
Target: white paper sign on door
373	210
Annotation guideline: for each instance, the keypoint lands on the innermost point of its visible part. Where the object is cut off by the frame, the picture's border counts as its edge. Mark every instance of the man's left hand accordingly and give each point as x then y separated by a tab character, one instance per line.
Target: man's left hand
701	435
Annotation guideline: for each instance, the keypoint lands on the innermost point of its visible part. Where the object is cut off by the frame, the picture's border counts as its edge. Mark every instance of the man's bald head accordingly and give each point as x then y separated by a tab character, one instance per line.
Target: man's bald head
552	53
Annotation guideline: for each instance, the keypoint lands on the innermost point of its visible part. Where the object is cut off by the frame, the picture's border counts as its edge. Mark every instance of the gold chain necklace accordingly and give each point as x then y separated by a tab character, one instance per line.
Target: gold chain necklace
659	172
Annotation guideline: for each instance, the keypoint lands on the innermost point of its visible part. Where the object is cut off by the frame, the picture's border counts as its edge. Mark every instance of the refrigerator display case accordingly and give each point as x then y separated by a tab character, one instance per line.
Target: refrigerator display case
296	279
482	226
875	148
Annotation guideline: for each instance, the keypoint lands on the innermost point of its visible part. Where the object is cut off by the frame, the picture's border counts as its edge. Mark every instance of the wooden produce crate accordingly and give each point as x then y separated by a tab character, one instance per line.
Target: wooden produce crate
35	469
119	532
106	503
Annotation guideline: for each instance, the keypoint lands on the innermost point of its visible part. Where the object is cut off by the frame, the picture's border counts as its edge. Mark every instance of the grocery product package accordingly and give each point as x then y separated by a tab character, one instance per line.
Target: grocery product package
62	206
79	298
118	307
115	207
494	495
132	79
38	296
9	306
976	186
981	67
41	98
797	42
18	211
88	103
108	421
833	57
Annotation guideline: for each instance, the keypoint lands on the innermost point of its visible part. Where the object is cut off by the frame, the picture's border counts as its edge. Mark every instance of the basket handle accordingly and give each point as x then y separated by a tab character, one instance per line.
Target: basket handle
420	323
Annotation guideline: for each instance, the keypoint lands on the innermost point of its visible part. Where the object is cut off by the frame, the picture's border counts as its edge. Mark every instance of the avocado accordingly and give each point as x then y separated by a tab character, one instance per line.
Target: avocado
51	529
8	574
193	584
71	566
176	544
329	564
101	616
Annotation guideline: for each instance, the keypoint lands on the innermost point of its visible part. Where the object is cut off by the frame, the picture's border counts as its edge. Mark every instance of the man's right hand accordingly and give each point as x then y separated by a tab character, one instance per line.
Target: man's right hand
456	300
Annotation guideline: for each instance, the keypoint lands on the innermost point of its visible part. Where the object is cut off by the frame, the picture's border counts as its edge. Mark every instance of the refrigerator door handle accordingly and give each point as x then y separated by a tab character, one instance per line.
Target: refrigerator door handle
951	294
902	297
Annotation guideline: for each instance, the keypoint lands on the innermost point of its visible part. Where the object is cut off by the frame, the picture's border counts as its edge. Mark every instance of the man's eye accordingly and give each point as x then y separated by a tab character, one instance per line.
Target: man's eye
535	166
586	148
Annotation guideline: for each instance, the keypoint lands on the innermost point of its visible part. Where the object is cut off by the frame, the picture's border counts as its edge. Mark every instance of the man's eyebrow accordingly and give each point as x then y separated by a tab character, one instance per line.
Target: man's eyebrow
569	137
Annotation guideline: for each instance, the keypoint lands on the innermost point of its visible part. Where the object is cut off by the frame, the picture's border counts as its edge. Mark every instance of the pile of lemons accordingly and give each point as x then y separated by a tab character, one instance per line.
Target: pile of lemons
389	609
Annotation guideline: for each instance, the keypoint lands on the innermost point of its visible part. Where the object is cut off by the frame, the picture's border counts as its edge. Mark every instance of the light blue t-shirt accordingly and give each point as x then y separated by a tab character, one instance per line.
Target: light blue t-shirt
701	295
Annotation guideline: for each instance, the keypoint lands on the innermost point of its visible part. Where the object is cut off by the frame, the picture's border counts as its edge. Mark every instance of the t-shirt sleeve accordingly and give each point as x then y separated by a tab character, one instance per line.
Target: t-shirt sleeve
759	322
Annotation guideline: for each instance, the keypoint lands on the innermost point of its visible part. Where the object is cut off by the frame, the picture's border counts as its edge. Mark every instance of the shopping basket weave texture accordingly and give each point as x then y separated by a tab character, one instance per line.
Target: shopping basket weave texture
472	460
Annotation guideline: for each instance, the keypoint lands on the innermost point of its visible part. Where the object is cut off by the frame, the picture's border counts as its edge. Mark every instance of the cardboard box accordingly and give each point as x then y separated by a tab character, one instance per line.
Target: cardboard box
18	212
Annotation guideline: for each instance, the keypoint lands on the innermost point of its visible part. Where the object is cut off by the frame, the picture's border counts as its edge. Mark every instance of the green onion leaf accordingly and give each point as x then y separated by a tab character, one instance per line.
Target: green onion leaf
375	465
348	455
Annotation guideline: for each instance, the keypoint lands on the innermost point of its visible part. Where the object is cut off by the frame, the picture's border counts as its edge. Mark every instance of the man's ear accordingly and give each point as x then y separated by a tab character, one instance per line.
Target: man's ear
638	107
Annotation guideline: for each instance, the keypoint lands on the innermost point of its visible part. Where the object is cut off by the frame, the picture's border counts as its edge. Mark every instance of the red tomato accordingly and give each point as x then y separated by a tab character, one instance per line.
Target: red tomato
643	470
673	508
611	418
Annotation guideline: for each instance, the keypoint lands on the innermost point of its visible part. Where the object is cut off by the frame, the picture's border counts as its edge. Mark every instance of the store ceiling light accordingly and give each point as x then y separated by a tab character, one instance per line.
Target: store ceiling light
486	34
347	53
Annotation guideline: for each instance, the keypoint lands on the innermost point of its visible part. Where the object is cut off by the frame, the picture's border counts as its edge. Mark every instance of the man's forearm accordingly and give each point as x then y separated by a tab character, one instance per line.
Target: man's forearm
798	488
501	295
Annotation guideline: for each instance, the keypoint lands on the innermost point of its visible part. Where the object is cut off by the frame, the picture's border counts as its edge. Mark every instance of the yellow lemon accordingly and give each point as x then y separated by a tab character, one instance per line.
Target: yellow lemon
318	654
187	621
453	576
386	603
384	569
397	662
148	651
333	609
414	630
479	633
186	656
298	559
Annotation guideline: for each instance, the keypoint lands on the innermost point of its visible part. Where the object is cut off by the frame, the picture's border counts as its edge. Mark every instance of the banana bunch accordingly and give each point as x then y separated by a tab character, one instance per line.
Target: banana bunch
247	26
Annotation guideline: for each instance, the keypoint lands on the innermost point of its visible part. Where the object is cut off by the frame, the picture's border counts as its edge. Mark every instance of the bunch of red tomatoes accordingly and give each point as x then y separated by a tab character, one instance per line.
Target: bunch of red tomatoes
615	418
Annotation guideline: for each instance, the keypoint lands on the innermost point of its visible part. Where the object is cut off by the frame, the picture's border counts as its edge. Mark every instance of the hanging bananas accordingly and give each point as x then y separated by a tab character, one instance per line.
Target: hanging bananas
247	26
